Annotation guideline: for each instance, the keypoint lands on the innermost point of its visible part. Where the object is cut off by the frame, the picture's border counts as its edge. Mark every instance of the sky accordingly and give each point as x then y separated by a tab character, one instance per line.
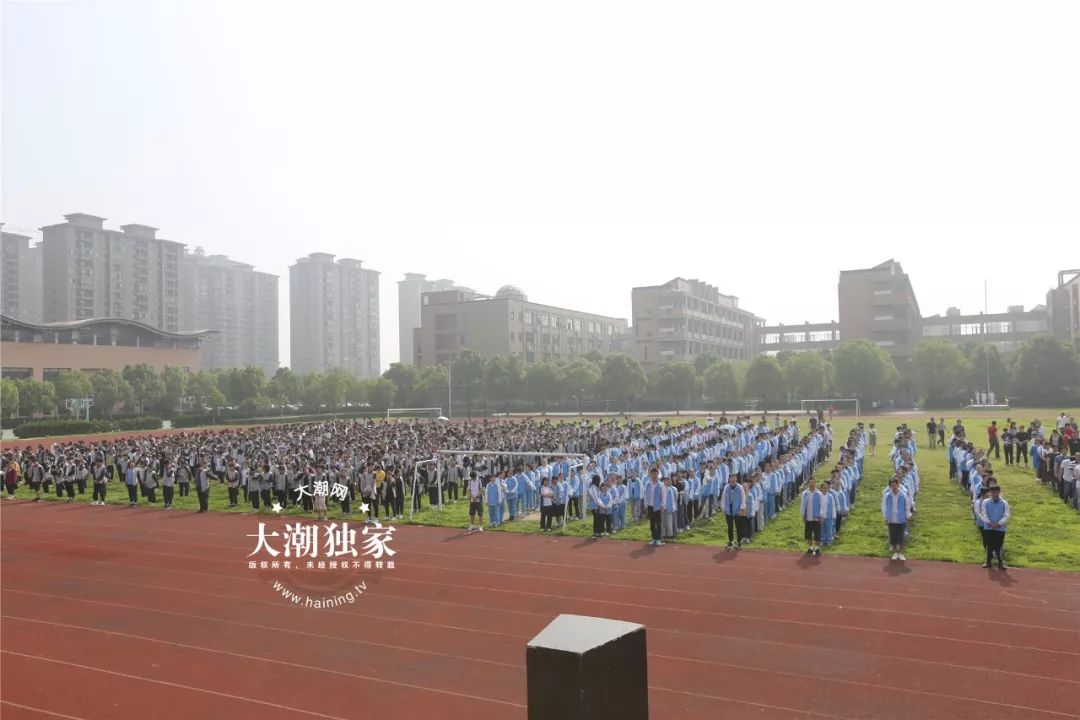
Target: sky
574	149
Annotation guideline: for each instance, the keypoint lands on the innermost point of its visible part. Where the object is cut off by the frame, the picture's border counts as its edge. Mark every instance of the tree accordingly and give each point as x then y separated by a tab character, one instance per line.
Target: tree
380	392
863	369
1000	374
579	378
36	397
1047	372
703	361
543	384
806	374
333	386
72	384
720	384
9	398
430	387
175	381
110	389
467	374
356	392
284	387
242	384
764	379
404	379
939	370
504	378
311	391
146	387
674	382
203	386
621	378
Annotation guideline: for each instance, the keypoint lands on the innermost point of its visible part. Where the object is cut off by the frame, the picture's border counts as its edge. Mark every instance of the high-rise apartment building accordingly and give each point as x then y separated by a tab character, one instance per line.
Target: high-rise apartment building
238	302
20	281
410	291
90	272
681	319
334	315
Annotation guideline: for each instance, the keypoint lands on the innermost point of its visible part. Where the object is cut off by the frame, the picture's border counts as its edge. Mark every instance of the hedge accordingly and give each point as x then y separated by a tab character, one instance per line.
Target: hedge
50	428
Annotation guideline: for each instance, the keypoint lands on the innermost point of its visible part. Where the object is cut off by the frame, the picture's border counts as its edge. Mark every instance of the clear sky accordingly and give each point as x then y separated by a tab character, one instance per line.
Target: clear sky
575	149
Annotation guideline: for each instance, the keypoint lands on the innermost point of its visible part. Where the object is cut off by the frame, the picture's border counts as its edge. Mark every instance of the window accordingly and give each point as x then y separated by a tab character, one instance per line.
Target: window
885	343
883	317
527	317
882	292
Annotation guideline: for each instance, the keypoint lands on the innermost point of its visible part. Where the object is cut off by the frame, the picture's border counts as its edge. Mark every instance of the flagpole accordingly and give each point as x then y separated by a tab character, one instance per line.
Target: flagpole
986	351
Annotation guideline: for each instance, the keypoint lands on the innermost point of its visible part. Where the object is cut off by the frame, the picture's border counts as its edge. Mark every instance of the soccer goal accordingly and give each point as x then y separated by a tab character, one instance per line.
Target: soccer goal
837	404
516	457
428	412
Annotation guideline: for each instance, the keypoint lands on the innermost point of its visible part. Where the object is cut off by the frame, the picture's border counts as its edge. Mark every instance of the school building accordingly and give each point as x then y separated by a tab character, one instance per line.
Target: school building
43	350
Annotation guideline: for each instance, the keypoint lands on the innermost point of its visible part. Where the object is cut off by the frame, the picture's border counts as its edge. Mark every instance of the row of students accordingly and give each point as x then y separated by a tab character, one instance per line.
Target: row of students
989	509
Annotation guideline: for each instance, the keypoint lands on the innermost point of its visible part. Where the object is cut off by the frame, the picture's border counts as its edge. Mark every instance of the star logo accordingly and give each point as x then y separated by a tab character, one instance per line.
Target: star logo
364	507
276	507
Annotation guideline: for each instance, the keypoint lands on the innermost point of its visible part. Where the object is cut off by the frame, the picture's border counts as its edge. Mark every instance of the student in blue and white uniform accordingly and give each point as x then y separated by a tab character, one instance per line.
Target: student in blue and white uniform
995	514
597	503
494	494
896	509
812	510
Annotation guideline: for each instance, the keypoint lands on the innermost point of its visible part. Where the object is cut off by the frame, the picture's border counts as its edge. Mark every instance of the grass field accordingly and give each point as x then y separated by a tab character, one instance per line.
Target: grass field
1042	534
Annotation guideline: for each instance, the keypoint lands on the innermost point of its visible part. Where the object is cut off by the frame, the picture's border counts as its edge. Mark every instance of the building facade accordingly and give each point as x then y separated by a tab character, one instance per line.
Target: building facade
91	272
20	277
1063	305
509	324
43	350
879	305
681	319
238	302
1007	331
334	313
410	292
772	339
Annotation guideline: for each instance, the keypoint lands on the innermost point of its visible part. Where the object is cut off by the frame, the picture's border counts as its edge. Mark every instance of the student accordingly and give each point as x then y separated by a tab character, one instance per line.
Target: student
654	506
474	490
596	505
35	477
149	482
322	486
232	483
873	439
168	480
183	479
995	514
511	483
202	487
131	480
669	509
547	504
812	511
896	509
494	500
731	501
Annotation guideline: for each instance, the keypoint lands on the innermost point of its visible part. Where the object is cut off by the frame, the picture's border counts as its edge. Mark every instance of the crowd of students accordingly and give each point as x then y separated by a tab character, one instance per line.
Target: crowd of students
971	468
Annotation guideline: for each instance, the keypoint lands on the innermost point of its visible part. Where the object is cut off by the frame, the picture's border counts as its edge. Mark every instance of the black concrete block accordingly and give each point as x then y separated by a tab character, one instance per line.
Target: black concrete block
586	668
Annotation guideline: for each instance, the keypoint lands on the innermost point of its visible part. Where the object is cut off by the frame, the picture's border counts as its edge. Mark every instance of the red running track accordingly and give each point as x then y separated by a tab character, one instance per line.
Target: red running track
112	612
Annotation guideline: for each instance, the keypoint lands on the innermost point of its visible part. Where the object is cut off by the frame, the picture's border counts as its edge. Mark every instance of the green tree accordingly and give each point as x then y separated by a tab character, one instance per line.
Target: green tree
356	392
72	384
621	378
311	392
720	383
807	374
110	390
175	381
863	370
580	378
284	387
543	384
674	382
1047	372
242	384
202	387
9	398
468	375
764	379
504	378
939	370
36	397
333	386
404	378
146	387
1000	373
703	361
380	392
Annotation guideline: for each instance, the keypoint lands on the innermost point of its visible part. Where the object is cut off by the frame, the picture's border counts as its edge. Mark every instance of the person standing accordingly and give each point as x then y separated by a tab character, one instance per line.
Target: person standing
896	509
731	501
232	483
992	438
475	491
202	487
931	433
131	480
168	480
149	482
994	514
812	511
547	504
1022	438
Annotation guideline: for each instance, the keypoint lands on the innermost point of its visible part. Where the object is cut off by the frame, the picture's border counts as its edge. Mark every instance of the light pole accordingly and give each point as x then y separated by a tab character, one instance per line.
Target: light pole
449	389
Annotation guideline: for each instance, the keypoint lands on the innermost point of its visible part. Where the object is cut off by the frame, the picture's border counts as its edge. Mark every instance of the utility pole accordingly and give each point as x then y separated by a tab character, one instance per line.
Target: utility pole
450	389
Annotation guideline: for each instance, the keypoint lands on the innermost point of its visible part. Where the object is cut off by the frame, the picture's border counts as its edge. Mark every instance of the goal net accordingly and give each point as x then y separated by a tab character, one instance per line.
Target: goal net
491	462
427	412
834	406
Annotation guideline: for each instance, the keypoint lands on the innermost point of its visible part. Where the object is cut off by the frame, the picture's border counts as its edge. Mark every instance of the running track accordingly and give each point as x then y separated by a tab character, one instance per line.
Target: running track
128	613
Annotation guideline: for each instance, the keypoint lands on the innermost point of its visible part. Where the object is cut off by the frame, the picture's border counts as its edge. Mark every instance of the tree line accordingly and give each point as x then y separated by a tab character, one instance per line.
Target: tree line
1044	371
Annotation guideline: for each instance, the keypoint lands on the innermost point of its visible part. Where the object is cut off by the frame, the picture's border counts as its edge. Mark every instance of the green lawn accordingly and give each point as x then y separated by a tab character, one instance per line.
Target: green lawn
1043	533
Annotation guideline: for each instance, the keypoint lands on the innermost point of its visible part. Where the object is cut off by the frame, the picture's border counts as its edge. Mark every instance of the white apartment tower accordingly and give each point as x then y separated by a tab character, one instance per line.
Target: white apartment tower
334	315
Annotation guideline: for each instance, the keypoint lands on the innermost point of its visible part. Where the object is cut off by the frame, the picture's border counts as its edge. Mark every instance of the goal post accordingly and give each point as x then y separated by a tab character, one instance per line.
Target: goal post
429	412
577	460
836	403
